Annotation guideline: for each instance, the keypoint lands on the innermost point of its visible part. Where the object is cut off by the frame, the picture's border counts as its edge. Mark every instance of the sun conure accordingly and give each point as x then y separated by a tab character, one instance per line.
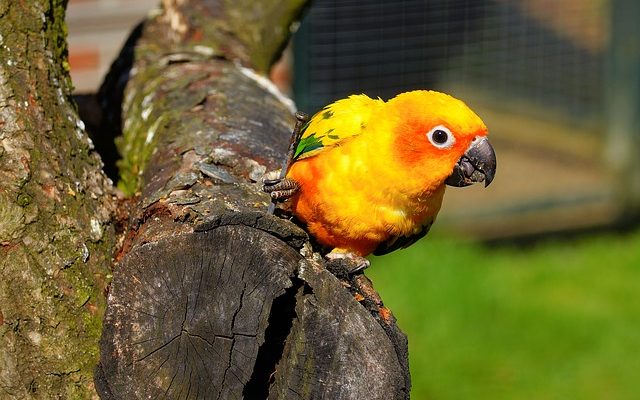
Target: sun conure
368	176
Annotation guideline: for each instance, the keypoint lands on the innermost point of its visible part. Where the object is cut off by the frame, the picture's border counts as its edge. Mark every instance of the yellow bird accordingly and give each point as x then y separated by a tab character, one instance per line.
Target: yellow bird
368	176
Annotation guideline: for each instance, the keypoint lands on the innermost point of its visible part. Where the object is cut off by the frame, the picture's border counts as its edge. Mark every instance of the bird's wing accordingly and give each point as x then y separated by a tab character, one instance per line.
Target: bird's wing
401	242
336	123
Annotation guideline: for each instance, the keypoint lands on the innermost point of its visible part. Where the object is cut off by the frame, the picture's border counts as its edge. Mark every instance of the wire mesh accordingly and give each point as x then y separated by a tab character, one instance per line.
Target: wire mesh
547	54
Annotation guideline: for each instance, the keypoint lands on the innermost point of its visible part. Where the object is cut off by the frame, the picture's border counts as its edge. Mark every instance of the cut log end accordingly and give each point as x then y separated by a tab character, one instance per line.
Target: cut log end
234	312
187	315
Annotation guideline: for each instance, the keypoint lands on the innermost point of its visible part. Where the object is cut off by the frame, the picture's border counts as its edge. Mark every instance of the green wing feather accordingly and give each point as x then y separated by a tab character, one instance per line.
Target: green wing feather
336	123
308	144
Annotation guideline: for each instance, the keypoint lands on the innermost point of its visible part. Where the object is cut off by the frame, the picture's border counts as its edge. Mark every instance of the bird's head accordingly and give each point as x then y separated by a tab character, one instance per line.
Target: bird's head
439	134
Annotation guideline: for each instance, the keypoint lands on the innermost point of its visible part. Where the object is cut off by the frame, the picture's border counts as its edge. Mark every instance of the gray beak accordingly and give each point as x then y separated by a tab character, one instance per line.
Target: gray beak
478	164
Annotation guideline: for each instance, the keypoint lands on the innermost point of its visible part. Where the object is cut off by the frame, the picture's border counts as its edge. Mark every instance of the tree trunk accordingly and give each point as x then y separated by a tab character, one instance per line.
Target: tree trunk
56	208
212	297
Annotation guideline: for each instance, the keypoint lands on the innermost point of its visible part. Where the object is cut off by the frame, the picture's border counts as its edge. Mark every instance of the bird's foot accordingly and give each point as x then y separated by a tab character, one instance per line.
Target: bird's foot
280	189
346	262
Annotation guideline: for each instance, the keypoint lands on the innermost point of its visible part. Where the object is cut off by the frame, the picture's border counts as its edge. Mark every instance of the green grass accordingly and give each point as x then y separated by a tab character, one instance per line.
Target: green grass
559	320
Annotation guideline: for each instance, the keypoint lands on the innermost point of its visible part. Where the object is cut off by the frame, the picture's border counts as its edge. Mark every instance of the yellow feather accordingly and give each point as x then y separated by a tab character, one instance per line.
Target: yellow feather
340	121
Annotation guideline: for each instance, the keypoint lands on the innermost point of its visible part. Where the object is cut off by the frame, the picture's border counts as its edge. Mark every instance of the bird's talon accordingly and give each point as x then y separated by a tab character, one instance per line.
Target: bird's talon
280	189
350	263
270	182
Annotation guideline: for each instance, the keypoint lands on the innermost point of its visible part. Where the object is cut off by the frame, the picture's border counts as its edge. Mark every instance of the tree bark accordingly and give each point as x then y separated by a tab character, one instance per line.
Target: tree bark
212	297
56	207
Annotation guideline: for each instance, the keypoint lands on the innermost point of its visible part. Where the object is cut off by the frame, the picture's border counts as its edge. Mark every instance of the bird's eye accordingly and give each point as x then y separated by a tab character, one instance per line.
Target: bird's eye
441	137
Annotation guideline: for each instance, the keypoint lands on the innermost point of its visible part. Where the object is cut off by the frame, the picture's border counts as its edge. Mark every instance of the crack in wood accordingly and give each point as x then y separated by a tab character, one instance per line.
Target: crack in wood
233	339
270	352
195	306
158	348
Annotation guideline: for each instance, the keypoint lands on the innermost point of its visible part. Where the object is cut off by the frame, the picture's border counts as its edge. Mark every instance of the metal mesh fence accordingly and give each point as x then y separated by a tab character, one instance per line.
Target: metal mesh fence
544	53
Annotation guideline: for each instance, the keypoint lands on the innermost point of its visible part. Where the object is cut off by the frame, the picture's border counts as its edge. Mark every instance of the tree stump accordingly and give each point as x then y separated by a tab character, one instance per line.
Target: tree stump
213	298
191	312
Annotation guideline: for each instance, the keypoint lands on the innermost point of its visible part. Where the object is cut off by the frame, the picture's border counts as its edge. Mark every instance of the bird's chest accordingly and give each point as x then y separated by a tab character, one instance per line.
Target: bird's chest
386	198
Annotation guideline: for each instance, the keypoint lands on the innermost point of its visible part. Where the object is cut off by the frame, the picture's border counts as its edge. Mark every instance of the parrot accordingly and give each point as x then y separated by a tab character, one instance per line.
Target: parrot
368	176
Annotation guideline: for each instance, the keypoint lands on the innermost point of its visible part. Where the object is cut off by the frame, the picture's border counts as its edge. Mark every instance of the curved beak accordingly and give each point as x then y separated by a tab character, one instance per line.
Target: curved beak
478	164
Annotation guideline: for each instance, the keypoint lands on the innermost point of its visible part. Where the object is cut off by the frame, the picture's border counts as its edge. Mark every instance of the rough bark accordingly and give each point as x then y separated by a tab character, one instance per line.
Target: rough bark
212	297
55	211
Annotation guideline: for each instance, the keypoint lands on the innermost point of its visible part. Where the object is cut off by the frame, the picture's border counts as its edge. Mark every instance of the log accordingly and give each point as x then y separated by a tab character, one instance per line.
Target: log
212	297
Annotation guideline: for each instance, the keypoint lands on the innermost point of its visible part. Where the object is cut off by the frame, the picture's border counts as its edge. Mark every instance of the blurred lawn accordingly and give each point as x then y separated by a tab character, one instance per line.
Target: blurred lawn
559	320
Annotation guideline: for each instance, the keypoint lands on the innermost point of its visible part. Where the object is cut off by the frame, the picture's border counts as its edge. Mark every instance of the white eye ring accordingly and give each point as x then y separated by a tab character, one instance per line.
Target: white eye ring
441	137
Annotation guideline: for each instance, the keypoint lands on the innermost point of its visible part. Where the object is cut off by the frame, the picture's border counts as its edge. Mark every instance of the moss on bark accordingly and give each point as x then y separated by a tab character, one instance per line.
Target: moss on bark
56	236
247	32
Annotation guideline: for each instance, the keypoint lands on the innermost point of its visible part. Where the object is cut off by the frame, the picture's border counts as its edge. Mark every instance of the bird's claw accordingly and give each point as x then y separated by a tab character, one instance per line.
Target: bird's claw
280	189
346	262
